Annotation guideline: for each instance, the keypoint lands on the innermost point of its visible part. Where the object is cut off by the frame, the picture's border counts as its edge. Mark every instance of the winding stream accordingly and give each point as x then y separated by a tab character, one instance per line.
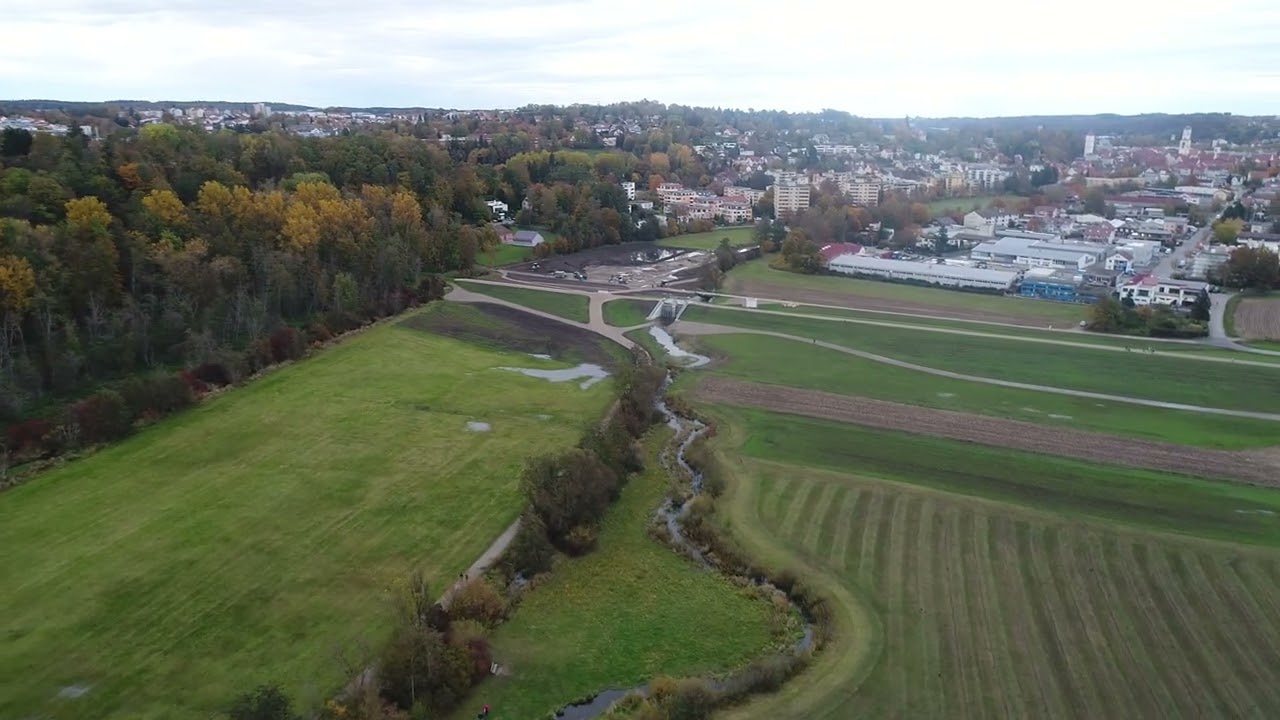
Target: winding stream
686	430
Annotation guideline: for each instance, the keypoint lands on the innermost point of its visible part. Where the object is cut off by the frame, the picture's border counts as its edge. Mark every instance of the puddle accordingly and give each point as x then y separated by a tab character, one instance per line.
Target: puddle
1256	512
668	343
478	426
592	374
1060	417
74	691
540	356
946	395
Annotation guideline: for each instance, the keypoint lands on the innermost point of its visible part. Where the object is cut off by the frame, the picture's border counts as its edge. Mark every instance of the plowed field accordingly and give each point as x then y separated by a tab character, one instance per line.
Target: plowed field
1258	318
1259	468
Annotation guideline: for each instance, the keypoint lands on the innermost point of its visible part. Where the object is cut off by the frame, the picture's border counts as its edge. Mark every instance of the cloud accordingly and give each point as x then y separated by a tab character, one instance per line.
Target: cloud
987	57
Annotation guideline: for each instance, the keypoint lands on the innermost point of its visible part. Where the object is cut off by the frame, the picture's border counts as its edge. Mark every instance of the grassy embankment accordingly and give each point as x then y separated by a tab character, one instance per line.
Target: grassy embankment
756	277
627	313
628	612
250	539
777	361
975	582
738	236
566	305
1153	377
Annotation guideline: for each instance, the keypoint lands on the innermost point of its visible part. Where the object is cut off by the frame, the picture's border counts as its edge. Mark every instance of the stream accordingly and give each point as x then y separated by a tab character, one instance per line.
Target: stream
687	430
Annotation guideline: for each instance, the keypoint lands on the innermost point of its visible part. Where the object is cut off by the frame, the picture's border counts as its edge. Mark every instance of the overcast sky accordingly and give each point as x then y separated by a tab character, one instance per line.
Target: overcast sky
885	59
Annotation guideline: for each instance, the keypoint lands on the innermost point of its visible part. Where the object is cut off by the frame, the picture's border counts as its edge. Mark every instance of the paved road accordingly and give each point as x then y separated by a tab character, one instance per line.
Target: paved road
1168	263
482	563
692	328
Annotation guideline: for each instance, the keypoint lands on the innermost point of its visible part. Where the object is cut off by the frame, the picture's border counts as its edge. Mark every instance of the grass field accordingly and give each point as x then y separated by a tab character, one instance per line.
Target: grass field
784	362
250	539
756	277
565	305
620	616
946	205
504	254
627	313
956	606
1153	377
738	236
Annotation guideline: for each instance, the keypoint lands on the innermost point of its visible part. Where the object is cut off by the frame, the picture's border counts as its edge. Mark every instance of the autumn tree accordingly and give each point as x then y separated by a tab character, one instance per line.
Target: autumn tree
1256	269
1227	231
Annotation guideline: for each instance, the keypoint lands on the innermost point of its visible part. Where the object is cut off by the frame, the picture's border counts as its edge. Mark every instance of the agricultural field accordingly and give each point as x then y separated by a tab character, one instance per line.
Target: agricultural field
755	278
616	618
972	588
1258	318
738	236
947	205
258	536
1140	375
566	305
765	359
627	313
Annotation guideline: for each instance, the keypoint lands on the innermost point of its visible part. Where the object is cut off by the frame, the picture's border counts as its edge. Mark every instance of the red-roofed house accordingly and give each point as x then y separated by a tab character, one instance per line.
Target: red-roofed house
1099	232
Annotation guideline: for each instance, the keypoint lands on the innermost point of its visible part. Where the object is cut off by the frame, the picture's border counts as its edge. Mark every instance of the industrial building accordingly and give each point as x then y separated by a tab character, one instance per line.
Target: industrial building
1038	253
931	273
1060	285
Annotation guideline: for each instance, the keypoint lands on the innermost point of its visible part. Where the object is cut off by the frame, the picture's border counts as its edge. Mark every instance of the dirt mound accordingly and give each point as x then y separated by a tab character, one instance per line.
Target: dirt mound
1255	467
506	328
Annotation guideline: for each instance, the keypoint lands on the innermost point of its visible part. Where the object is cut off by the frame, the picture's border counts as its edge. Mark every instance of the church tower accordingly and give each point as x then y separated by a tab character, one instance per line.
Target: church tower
1184	147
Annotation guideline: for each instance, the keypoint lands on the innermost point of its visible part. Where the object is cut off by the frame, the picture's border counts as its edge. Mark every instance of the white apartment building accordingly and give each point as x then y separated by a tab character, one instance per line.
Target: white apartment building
862	192
790	199
735	213
987	177
751	194
1151	290
630	189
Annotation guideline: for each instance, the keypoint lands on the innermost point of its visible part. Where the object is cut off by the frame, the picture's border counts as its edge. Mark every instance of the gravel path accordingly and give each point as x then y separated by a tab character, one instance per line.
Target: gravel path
1255	467
693	328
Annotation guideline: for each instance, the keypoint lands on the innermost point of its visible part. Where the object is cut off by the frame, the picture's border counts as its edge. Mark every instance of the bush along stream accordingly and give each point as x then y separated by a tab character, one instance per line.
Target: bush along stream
684	523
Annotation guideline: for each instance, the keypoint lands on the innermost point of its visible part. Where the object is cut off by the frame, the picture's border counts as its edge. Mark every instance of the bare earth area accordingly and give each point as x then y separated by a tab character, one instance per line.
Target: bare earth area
1261	467
1258	318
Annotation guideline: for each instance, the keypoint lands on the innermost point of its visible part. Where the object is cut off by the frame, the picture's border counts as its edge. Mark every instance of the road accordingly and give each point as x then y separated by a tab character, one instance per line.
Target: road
693	328
1168	263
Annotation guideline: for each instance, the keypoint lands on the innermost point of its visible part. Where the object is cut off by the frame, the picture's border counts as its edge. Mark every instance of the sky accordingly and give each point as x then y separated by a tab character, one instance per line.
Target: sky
930	58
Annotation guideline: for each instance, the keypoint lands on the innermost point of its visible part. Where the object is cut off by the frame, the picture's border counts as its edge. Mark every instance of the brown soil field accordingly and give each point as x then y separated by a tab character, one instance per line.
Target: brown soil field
1258	318
853	302
1257	467
507	328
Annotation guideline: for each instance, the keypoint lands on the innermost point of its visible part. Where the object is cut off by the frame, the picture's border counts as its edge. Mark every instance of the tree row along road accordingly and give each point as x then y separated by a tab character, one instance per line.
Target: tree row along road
695	328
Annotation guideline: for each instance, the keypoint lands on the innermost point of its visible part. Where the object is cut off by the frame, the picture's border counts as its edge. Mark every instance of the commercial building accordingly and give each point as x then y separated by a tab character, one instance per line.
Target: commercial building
1038	253
931	273
1053	284
1151	290
789	199
1209	260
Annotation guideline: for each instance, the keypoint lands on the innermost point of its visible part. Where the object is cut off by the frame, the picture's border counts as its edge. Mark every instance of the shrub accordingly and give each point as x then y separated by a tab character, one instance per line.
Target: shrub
479	601
318	333
581	540
101	417
472	638
30	437
267	702
569	490
286	344
214	374
530	552
417	667
158	394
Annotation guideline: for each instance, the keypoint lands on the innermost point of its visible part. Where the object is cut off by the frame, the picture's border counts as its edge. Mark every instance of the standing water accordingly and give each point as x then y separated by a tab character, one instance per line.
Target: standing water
668	343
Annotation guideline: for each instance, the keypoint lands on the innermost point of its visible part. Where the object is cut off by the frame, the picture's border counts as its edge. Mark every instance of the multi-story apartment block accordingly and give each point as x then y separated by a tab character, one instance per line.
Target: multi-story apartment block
630	189
862	192
789	199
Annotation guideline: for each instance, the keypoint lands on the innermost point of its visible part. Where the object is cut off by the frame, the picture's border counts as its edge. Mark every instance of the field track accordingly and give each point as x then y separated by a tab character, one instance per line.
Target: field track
1255	467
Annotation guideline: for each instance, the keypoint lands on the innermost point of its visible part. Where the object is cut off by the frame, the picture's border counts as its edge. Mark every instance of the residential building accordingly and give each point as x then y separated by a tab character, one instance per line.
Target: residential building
751	194
986	221
789	199
496	207
630	189
1089	144
735	212
929	273
527	238
1151	290
1102	232
863	192
1120	261
1184	145
986	177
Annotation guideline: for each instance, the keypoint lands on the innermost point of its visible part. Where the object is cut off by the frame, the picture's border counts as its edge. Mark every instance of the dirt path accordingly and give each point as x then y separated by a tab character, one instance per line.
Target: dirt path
692	328
1256	467
482	563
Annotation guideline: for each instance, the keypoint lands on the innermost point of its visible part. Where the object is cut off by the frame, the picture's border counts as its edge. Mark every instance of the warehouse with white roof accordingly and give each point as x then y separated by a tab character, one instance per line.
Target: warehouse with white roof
1039	253
931	273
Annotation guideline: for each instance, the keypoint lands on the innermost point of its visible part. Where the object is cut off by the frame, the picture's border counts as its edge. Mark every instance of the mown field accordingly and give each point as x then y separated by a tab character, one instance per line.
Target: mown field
946	205
617	618
1070	596
777	361
627	313
738	236
1153	377
254	538
565	305
504	254
755	277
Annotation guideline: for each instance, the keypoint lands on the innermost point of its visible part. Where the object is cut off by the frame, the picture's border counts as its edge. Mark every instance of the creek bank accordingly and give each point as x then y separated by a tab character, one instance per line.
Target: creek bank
765	673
